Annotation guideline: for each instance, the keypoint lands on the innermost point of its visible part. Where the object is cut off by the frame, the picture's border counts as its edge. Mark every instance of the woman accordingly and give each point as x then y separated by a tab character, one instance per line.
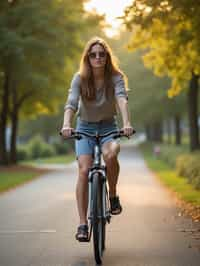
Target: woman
95	91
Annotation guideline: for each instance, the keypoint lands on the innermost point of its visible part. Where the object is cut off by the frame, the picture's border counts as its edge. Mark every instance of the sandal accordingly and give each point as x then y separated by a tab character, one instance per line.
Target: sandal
115	205
82	233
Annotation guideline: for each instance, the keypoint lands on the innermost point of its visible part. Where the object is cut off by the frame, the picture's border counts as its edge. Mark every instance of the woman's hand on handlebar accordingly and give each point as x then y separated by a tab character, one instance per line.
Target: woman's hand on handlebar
66	131
128	130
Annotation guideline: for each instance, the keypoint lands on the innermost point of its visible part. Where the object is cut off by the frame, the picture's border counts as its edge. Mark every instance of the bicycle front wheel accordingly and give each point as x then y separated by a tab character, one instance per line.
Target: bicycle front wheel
98	222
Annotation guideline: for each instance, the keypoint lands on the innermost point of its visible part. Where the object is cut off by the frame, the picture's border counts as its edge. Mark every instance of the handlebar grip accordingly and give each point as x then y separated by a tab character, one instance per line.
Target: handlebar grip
73	136
121	134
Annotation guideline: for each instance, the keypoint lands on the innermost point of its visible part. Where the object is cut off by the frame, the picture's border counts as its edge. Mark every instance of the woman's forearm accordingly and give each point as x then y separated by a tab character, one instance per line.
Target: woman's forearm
68	116
123	106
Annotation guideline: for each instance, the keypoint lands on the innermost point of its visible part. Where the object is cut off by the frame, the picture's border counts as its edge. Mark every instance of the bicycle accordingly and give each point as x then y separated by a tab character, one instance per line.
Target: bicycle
98	198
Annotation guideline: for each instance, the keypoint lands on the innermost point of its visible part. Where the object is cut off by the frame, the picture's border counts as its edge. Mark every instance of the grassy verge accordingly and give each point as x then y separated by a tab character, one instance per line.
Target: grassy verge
168	176
13	176
59	159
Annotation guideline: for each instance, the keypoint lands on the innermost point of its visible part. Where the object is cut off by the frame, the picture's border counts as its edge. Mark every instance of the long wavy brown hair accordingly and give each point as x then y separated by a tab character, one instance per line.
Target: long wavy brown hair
88	90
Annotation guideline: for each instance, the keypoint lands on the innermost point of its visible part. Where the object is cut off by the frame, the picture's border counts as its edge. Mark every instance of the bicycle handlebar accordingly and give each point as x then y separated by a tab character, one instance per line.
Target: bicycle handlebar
116	134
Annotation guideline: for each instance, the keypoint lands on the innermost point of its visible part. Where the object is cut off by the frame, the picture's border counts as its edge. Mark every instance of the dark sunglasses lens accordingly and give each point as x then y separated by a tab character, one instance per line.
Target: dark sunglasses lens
102	54
94	55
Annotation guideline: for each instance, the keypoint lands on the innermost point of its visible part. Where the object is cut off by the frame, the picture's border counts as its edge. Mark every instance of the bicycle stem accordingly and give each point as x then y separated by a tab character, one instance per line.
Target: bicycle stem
97	155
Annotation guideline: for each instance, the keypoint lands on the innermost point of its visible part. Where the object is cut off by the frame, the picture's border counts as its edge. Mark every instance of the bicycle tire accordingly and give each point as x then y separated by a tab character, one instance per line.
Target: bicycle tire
103	235
97	221
104	219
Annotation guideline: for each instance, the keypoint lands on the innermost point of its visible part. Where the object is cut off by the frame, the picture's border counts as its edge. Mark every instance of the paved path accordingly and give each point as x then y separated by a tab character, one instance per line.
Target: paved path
38	222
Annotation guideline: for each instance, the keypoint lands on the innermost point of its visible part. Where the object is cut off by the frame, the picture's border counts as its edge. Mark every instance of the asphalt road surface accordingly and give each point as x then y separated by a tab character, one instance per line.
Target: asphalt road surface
38	222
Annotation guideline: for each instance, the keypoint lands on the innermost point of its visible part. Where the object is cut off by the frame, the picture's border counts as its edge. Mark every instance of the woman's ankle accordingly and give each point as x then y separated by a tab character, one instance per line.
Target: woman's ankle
83	222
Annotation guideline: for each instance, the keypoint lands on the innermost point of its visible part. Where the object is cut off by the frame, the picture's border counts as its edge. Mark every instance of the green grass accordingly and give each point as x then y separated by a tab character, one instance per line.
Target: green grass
168	176
59	159
11	177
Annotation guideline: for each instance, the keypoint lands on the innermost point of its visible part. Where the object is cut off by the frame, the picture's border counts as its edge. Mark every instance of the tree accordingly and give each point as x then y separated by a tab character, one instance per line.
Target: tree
148	101
169	32
39	48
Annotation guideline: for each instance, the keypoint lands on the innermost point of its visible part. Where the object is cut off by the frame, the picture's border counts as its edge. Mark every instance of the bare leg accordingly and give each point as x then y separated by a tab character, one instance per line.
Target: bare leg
84	162
110	151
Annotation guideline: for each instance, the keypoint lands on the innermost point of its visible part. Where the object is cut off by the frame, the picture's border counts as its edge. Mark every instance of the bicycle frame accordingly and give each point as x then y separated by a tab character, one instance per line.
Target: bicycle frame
101	169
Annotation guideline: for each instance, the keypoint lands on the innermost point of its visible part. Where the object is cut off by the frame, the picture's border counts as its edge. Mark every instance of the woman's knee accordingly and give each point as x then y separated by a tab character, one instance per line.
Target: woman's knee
83	172
84	163
110	152
110	156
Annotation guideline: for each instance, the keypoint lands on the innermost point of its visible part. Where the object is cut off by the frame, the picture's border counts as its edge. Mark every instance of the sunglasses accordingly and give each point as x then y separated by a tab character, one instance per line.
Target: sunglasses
94	55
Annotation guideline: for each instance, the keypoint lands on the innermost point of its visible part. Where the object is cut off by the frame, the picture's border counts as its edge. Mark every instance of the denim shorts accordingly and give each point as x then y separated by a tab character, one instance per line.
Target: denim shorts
86	145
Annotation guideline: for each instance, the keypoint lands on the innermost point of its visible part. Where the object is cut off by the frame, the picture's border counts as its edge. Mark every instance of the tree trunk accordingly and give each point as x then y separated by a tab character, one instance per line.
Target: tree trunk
148	132
177	122
193	113
158	131
3	120
169	132
16	105
13	149
14	124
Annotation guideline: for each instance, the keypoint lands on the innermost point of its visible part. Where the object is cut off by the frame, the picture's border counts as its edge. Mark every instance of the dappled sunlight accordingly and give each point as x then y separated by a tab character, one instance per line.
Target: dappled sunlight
111	11
131	194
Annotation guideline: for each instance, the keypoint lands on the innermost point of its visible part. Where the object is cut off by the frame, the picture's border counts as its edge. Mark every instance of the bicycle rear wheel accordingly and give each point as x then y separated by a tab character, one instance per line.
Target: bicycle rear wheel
98	221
